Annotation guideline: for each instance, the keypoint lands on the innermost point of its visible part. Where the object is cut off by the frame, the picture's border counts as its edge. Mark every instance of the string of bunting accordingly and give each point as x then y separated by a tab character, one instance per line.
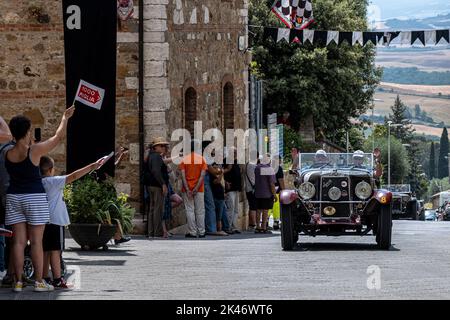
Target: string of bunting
324	38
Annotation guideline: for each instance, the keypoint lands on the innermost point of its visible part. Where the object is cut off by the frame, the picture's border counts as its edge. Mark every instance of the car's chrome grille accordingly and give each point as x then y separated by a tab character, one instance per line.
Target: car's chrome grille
329	206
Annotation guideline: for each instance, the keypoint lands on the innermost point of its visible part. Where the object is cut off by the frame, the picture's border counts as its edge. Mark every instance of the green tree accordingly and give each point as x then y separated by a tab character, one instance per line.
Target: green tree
443	154
399	159
400	116
291	140
432	166
438	185
333	83
416	176
417	112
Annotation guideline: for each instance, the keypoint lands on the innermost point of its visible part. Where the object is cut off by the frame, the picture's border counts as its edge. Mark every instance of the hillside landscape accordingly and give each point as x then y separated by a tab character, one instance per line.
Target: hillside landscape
419	75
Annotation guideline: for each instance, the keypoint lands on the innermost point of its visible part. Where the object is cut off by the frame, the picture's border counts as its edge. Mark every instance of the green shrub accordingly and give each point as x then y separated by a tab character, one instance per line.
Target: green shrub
89	201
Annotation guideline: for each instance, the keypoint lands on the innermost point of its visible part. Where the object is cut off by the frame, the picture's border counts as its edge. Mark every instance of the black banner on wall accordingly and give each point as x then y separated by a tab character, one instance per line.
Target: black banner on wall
90	40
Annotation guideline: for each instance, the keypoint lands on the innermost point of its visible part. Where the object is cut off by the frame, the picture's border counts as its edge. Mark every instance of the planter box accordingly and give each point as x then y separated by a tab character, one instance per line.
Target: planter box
92	236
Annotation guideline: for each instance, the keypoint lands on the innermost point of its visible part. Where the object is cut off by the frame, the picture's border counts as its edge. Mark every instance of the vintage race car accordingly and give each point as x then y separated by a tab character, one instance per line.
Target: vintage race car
333	198
404	204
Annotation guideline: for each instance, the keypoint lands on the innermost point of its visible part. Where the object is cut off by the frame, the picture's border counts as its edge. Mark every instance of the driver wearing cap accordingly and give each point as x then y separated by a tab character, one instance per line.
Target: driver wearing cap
320	159
358	159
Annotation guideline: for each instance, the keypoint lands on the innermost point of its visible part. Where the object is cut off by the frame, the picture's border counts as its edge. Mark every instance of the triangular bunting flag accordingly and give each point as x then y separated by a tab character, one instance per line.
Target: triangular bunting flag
283	33
430	37
308	35
320	38
296	36
369	36
346	36
418	35
270	33
380	38
333	36
405	37
390	36
357	37
442	34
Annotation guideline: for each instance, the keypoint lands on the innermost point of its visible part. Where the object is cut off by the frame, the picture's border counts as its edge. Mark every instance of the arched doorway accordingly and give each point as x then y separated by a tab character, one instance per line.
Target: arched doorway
228	106
190	109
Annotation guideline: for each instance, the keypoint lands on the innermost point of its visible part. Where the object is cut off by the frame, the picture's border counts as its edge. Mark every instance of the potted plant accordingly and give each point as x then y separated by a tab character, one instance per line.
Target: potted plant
96	212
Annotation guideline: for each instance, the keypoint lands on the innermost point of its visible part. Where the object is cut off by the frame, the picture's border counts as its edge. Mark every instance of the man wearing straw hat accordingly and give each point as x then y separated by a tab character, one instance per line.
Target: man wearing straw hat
157	186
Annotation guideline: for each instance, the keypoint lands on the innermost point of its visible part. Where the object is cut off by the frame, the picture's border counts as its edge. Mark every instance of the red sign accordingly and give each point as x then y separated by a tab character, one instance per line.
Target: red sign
88	94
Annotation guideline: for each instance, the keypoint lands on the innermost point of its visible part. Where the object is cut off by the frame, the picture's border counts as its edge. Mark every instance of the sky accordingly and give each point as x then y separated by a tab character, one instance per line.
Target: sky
404	9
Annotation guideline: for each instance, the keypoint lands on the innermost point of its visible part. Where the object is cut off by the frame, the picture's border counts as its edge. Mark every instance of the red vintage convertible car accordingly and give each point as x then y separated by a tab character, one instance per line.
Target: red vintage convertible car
335	195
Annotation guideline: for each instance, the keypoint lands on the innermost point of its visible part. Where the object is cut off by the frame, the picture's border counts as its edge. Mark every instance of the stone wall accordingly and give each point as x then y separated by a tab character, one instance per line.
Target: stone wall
191	54
187	44
32	78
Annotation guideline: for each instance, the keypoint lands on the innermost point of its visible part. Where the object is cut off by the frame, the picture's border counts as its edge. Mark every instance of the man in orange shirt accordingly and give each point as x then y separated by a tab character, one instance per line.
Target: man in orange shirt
193	169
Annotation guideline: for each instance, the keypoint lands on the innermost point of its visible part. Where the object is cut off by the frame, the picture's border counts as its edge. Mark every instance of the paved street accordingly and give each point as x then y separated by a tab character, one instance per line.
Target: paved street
253	266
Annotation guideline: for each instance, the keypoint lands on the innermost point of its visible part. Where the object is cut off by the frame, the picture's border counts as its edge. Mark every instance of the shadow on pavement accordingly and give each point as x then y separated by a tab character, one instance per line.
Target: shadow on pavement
97	263
111	252
241	236
337	246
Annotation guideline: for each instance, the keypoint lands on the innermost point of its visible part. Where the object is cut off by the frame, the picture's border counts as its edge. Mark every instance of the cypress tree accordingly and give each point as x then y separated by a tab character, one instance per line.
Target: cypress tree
443	154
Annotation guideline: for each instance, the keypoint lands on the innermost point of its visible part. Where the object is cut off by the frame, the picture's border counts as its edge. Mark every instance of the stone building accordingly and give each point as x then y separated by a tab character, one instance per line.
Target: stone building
195	68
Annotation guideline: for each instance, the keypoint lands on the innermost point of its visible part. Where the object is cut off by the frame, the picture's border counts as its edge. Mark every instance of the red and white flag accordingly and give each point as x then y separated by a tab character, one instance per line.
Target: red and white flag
90	95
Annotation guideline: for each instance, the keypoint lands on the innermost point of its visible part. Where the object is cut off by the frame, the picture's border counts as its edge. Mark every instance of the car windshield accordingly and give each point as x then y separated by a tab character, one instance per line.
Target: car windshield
397	187
322	160
430	212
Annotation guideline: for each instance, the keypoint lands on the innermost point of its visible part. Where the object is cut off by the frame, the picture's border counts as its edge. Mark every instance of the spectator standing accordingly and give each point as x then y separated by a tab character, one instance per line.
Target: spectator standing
27	209
157	188
279	186
233	187
171	199
193	169
53	239
217	186
210	209
250	192
264	193
295	154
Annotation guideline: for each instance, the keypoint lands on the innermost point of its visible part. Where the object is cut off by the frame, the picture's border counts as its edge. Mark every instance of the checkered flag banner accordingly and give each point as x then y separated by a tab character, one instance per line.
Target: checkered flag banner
295	14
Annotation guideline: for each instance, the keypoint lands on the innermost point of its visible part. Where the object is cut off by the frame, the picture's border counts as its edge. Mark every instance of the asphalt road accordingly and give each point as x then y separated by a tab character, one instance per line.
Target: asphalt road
250	266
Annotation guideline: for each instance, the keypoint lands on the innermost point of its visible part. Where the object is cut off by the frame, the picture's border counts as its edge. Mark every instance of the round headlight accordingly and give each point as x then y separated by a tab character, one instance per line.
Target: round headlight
363	190
307	190
334	193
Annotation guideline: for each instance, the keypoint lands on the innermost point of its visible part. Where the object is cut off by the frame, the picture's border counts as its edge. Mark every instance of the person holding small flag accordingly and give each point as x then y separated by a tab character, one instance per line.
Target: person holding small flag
27	208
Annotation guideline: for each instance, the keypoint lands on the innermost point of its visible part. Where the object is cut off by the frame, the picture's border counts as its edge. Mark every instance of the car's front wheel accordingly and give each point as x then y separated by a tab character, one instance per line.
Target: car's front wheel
384	232
288	235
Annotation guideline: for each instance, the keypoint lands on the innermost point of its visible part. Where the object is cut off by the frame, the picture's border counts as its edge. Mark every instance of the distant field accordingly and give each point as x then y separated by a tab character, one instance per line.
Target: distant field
430	131
425	59
438	109
416	89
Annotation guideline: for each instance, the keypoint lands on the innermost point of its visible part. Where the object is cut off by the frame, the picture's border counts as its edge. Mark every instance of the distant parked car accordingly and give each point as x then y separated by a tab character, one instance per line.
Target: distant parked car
431	215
